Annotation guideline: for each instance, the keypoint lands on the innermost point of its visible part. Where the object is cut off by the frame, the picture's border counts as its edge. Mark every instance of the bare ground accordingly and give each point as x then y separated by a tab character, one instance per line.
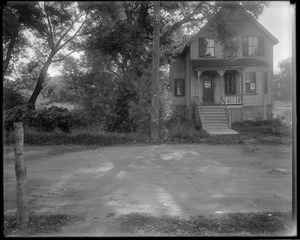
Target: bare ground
104	184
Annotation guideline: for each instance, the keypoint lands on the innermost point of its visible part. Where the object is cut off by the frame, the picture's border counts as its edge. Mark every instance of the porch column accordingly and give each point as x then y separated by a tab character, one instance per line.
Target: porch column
221	73
197	88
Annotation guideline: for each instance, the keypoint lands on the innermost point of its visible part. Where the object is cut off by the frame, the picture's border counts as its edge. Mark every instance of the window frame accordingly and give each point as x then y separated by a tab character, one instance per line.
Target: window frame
203	47
246	45
249	81
230	82
206	47
179	82
253	47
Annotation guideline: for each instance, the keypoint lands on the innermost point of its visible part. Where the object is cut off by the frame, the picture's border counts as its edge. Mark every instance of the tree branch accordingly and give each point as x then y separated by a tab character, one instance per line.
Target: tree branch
74	36
67	31
181	22
50	29
64	57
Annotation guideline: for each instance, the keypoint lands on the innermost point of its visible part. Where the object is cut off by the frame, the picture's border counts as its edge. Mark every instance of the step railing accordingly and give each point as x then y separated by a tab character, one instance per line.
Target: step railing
199	116
228	115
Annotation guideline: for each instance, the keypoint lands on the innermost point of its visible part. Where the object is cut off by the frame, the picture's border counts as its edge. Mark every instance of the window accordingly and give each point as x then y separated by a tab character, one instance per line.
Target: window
279	93
230	83
250	82
253	46
179	87
206	47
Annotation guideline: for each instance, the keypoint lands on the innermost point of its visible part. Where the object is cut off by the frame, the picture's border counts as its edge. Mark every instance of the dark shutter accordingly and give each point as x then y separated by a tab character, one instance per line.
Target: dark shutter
245	46
201	47
265	82
261	46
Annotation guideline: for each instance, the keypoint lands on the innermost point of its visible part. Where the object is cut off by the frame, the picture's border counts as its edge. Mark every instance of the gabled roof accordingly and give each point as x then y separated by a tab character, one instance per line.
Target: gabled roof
243	12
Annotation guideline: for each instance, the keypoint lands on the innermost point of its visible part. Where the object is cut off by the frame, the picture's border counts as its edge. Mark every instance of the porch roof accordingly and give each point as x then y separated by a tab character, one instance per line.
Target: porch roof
215	63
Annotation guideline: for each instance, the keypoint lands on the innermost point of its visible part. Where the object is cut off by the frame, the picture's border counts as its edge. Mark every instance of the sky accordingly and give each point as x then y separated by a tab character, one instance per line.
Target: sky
277	19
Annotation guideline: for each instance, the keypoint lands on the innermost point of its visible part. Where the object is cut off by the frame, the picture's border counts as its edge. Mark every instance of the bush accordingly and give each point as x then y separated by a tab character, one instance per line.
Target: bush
184	129
15	114
46	119
273	127
33	136
12	98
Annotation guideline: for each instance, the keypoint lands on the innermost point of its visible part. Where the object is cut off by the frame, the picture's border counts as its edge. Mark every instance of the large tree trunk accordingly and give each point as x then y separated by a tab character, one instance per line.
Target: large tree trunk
20	169
39	84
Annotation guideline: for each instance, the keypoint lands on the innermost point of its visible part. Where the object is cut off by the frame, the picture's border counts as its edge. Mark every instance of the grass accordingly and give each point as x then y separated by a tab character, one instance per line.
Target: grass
264	223
271	132
39	224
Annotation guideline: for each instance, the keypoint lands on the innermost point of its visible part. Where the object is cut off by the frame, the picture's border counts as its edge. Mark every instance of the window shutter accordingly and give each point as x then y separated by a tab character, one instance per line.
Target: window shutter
265	82
245	46
261	46
201	47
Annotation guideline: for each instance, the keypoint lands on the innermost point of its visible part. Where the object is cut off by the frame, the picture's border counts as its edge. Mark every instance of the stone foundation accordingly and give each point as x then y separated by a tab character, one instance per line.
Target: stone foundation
256	112
249	112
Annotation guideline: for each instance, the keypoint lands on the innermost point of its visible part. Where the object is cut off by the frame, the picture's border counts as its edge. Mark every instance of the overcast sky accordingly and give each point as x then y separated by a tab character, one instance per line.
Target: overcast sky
277	18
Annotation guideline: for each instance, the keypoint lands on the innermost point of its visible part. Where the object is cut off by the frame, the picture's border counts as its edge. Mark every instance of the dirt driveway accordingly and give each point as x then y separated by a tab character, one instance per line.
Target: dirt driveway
174	180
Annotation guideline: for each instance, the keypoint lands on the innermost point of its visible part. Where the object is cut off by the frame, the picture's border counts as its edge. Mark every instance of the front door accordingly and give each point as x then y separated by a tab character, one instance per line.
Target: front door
208	89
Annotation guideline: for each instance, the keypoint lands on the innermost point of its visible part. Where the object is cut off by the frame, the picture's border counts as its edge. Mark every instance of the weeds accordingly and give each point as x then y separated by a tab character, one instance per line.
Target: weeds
180	130
231	223
274	127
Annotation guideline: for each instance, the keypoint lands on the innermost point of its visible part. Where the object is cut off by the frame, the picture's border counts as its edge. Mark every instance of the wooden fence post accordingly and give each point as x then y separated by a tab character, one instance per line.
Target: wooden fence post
20	169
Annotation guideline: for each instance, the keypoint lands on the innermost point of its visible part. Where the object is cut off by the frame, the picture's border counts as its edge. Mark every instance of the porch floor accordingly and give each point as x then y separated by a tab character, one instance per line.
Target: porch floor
220	131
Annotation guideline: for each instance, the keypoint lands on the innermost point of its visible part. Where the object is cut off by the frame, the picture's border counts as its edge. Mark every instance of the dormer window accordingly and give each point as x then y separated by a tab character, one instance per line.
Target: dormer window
206	47
253	46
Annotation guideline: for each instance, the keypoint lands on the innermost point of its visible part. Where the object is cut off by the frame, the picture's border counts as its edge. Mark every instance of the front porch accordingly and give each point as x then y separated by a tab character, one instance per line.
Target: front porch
218	99
219	86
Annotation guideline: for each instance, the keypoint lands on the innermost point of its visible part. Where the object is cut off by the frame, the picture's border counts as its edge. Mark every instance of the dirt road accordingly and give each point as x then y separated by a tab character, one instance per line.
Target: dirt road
174	180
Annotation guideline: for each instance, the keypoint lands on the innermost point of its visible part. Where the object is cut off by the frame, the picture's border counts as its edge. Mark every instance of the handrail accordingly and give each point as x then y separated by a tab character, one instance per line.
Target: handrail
227	113
198	110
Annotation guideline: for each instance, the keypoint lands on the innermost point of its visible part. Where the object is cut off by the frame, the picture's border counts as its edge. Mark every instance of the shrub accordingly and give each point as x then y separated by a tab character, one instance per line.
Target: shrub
12	98
273	127
46	119
15	114
33	136
184	129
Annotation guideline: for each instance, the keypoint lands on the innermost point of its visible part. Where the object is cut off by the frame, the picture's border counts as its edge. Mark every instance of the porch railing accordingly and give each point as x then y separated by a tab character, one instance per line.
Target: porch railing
199	116
228	115
233	99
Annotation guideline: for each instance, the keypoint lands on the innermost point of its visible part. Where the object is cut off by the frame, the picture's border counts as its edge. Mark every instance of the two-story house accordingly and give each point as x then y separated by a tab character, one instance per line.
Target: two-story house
218	91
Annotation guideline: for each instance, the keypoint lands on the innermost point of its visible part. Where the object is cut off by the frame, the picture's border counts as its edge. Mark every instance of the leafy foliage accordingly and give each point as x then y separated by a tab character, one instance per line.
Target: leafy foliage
12	97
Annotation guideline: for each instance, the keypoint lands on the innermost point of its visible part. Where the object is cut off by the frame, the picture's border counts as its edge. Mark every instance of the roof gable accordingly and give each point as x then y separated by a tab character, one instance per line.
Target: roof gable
244	14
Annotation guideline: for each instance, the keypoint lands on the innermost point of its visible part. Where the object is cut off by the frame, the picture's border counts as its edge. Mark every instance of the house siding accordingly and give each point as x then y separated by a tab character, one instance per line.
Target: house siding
252	104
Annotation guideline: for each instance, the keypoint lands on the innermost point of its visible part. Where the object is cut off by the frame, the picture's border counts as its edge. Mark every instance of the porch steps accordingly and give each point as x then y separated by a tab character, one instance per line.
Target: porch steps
215	120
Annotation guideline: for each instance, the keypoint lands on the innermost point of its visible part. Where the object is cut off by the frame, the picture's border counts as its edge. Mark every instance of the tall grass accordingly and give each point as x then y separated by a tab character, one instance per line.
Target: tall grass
274	127
77	137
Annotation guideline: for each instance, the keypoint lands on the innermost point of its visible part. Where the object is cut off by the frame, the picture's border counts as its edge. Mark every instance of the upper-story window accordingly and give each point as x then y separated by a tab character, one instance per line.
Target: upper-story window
206	47
253	46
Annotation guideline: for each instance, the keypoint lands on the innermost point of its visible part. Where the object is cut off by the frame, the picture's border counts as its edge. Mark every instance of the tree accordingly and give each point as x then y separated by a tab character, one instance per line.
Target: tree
62	24
283	79
125	38
16	18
